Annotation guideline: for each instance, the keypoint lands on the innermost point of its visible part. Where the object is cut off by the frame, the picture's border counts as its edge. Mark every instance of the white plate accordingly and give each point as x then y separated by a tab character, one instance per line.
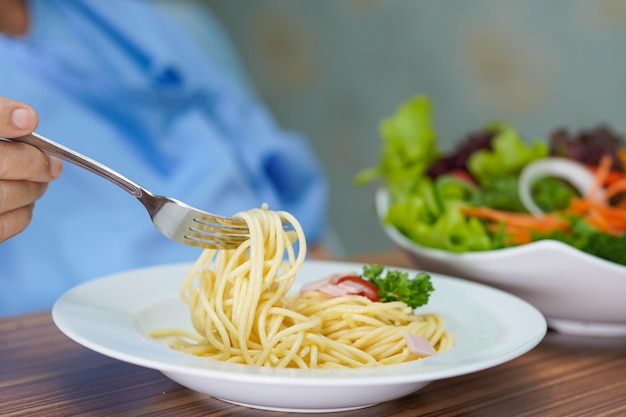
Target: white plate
115	314
578	293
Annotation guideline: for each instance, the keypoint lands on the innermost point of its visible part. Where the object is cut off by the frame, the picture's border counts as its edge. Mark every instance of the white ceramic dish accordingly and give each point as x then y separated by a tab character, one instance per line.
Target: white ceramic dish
578	293
114	315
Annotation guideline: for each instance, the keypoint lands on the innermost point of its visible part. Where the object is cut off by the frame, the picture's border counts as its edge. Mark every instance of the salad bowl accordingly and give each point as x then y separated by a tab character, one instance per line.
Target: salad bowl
578	293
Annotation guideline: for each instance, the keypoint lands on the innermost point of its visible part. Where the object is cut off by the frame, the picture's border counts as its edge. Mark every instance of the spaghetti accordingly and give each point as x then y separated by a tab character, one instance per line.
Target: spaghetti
241	311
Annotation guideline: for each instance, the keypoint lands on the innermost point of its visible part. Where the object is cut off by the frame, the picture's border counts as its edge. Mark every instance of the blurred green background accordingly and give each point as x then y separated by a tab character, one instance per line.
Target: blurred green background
334	68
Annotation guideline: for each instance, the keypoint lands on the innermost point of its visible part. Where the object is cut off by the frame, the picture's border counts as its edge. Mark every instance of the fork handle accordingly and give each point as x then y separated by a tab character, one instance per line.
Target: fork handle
56	149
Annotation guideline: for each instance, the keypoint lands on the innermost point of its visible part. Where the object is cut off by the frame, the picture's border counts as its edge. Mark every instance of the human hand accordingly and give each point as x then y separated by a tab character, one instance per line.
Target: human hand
24	170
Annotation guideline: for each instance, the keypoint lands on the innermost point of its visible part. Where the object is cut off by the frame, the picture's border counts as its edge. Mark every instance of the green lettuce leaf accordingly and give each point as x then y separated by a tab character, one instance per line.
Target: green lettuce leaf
509	156
409	146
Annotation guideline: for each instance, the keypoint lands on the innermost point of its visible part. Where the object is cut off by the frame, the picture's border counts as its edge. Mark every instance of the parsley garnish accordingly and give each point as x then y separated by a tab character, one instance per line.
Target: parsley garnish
397	286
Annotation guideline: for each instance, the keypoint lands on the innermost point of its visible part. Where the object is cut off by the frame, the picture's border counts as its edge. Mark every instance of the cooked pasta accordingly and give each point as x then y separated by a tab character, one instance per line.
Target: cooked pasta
242	313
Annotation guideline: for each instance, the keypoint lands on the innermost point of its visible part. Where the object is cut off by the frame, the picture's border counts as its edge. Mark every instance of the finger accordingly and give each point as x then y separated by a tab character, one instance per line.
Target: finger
19	161
16	194
15	221
16	118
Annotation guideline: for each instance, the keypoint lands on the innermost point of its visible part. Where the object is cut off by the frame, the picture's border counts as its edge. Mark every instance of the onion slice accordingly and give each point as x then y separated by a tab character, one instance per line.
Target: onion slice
577	174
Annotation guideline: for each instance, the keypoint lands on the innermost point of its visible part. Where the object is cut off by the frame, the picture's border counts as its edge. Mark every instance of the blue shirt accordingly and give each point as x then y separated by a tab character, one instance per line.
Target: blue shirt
119	82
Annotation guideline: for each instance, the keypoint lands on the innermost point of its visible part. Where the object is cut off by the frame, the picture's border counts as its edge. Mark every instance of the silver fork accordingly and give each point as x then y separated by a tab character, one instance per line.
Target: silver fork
175	219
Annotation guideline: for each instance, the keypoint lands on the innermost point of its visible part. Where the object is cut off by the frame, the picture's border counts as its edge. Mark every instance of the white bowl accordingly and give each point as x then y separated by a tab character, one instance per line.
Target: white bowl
114	316
578	293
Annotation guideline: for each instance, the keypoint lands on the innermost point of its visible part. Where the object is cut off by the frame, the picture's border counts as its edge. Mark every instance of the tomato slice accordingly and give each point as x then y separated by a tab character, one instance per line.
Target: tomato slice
369	290
462	174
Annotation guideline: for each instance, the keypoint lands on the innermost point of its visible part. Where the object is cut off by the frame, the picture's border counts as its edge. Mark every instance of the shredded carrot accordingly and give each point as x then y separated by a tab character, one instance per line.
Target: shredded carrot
614	189
601	175
515	235
596	219
611	176
614	217
596	208
578	206
539	223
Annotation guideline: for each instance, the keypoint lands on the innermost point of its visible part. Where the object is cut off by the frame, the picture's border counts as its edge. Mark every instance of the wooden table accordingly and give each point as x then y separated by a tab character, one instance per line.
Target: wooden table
42	372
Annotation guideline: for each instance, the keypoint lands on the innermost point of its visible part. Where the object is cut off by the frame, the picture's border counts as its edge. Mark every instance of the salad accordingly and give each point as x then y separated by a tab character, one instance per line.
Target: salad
470	199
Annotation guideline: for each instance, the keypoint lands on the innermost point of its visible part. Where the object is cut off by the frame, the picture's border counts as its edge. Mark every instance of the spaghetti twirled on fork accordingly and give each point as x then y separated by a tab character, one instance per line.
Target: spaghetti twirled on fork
242	313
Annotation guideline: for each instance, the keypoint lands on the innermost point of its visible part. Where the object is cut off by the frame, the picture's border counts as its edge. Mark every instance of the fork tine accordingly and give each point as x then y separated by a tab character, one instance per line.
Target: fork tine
222	221
216	234
227	225
219	232
212	241
212	231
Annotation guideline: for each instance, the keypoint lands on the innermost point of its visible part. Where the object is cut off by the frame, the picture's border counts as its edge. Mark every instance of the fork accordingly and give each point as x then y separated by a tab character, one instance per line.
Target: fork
175	219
